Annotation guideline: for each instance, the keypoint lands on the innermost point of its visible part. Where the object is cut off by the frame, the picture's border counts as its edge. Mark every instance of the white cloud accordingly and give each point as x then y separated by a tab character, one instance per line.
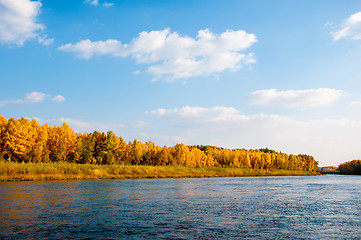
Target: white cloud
330	141
58	98
81	125
87	49
215	114
92	2
172	56
296	98
162	140
349	28
139	124
45	41
125	130
18	22
128	131
107	4
33	97
96	3
355	103
74	122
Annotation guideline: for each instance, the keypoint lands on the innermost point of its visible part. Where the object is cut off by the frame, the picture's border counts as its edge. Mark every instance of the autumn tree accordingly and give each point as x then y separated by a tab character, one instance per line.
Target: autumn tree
39	136
3	123
180	154
163	156
18	139
61	143
350	167
150	153
25	140
85	149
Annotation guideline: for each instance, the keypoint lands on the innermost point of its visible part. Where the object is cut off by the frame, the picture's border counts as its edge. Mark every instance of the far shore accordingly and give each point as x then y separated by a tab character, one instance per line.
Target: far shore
329	170
10	171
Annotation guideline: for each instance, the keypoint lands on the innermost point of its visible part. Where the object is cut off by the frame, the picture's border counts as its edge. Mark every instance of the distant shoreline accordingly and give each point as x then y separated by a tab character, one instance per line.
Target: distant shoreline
329	170
10	171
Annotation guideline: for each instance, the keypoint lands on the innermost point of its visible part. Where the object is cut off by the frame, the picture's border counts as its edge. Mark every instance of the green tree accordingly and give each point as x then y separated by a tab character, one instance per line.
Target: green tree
85	149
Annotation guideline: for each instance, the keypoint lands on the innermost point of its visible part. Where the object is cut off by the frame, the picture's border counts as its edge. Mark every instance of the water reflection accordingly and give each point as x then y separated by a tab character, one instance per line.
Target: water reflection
255	208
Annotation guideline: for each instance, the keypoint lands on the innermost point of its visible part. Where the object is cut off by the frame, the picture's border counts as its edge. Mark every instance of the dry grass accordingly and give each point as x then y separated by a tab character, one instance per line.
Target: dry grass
71	171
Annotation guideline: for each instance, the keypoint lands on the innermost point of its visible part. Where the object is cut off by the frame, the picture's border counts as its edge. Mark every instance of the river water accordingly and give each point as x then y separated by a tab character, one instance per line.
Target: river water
317	207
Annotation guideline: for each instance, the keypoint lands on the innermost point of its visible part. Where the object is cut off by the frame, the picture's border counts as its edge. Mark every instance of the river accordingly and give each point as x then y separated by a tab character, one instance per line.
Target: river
316	207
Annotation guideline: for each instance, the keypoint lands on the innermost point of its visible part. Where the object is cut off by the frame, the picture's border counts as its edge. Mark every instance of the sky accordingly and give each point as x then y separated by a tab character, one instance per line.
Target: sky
250	74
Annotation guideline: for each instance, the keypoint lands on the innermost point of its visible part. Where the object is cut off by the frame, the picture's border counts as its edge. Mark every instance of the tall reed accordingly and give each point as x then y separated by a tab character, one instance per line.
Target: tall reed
10	171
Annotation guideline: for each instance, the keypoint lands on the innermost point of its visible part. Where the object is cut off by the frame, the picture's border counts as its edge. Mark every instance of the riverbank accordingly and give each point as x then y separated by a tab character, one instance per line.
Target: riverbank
71	171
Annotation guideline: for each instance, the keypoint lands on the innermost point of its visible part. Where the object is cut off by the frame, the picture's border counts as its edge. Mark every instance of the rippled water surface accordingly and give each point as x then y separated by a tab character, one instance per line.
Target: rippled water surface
319	207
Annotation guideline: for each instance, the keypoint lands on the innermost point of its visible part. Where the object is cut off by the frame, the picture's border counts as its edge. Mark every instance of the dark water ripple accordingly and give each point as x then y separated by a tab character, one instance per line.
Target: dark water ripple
320	207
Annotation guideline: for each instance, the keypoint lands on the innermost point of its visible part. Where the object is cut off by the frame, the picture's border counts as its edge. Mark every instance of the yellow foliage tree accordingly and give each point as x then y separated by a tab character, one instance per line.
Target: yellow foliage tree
24	140
61	143
17	139
3	123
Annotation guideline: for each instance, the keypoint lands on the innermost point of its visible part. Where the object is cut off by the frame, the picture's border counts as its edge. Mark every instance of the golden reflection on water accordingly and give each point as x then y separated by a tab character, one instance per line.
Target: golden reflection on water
30	202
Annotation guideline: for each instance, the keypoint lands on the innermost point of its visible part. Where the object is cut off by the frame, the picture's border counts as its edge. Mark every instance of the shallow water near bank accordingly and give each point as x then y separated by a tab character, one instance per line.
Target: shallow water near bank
314	207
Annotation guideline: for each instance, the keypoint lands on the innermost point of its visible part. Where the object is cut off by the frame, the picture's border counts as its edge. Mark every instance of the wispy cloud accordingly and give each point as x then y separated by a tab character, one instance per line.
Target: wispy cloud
18	22
33	97
227	127
74	122
349	28
96	3
296	98
79	125
356	103
172	56
92	2
129	131
45	41
215	114
163	140
107	4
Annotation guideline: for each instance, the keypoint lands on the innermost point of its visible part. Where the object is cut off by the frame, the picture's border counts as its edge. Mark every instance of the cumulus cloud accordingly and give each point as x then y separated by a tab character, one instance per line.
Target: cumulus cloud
227	127
18	22
349	28
87	49
58	98
171	56
295	98
33	97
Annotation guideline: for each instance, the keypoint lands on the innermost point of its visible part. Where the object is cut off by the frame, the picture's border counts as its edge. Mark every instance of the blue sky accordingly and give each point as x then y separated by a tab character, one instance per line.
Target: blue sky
239	74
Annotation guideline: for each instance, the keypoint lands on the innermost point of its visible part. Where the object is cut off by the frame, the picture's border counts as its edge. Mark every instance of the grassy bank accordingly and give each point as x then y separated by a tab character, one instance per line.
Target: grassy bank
71	171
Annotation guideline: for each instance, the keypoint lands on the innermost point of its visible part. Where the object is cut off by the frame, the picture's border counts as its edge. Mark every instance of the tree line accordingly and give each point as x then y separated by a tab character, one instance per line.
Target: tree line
350	167
23	140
